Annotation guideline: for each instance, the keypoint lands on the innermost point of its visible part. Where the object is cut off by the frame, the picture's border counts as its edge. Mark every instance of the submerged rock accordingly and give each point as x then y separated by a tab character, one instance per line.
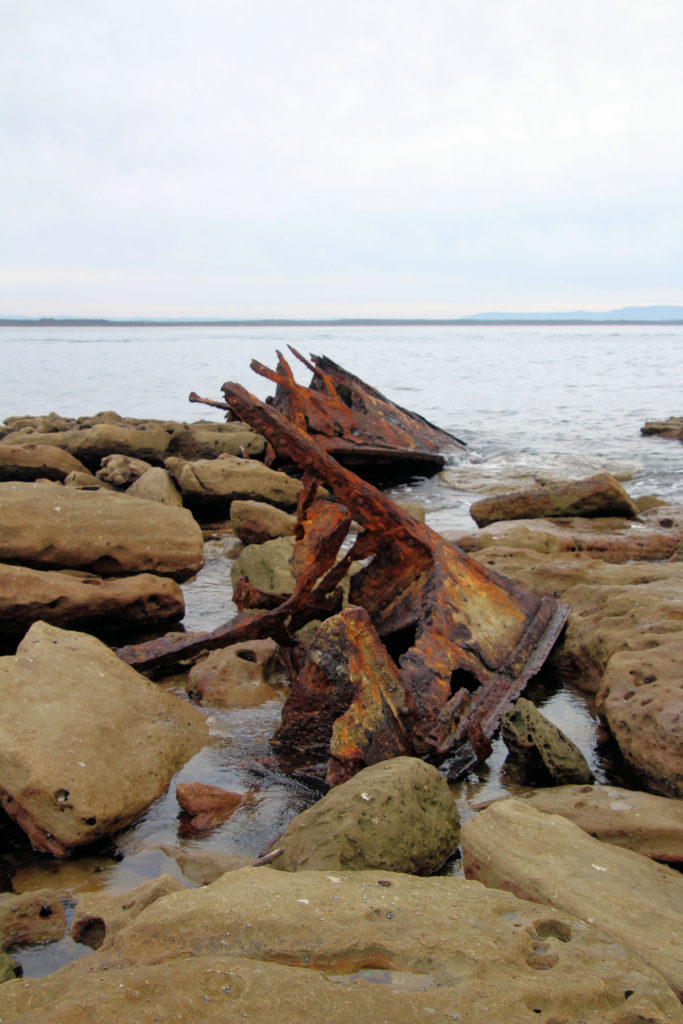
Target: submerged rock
29	918
548	859
398	815
86	743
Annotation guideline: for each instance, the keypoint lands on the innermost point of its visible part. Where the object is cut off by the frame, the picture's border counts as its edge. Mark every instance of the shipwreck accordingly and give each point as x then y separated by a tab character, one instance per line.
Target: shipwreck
430	647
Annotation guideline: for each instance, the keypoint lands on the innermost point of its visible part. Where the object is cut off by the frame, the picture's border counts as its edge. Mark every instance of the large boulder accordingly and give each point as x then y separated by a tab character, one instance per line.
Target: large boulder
45	525
81	599
211	484
255	522
204	440
398	815
648	824
86	743
266	566
368	946
544	748
91	443
549	860
599	495
36	462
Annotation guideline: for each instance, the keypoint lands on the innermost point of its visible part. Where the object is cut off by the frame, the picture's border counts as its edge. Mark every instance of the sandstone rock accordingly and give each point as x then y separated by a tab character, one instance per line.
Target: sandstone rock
213	483
49	526
612	540
266	566
205	440
36	462
648	824
549	860
529	735
398	815
369	946
81	599
207	806
30	918
255	522
90	444
9	968
673	428
86	743
241	675
121	470
100	915
599	495
85	481
156	485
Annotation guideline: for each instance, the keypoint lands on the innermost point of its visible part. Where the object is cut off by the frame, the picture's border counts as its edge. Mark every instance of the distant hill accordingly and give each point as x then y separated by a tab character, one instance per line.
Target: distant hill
641	314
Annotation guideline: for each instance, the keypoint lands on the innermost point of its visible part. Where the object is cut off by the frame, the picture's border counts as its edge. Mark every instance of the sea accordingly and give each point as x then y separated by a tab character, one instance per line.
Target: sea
532	403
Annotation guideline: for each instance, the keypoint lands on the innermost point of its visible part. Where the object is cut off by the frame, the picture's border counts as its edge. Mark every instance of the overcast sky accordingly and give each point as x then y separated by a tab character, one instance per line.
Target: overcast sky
339	157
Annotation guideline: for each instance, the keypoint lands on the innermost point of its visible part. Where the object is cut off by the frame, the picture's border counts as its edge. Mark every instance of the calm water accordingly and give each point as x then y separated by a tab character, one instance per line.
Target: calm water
532	403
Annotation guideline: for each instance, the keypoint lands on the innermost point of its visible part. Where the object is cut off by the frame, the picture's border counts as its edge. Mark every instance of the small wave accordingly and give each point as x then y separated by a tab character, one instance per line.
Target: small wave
519	471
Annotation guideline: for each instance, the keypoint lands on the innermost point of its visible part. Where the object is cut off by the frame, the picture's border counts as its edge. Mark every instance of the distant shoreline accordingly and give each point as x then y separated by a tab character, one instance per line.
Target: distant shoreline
359	322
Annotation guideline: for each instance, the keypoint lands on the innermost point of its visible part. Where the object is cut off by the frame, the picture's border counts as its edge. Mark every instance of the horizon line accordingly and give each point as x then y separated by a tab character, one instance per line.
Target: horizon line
478	320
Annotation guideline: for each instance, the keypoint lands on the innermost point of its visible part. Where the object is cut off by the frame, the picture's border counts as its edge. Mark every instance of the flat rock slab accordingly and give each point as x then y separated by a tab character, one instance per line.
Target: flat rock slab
61	598
548	859
370	946
45	525
35	462
648	824
599	495
86	743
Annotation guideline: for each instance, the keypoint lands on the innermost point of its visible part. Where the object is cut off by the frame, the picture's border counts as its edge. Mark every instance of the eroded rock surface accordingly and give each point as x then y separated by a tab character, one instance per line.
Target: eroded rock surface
99	915
599	495
86	743
533	739
213	483
32	917
240	675
36	462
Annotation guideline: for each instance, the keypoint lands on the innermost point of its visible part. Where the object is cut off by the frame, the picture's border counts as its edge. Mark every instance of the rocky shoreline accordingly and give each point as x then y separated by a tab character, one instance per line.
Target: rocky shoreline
580	914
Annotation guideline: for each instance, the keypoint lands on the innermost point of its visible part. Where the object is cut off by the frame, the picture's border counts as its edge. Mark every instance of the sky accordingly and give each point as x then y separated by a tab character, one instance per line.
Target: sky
323	158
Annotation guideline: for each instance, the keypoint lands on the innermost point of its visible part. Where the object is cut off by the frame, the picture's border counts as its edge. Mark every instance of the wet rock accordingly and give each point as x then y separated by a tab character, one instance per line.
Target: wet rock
121	470
241	675
156	485
205	440
612	540
30	918
255	522
82	599
100	915
599	495
205	866
648	824
529	735
207	806
549	860
36	462
398	815
673	428
86	743
45	525
266	566
211	484
259	941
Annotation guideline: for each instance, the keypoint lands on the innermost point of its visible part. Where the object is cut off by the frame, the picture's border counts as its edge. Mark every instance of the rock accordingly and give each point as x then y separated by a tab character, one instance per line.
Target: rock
529	735
85	481
205	866
156	485
209	485
398	815
612	540
99	915
673	428
599	495
256	521
90	444
207	806
648	824
81	599
9	968
266	566
86	743
372	946
36	462
205	440
121	470
30	918
45	525
240	675
547	859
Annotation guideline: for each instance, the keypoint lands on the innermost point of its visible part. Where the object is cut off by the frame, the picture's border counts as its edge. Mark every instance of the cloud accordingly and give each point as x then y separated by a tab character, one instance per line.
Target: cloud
316	151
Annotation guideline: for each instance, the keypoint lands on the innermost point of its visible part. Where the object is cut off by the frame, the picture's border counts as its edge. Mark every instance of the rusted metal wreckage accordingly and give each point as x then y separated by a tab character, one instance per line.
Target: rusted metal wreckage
427	653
